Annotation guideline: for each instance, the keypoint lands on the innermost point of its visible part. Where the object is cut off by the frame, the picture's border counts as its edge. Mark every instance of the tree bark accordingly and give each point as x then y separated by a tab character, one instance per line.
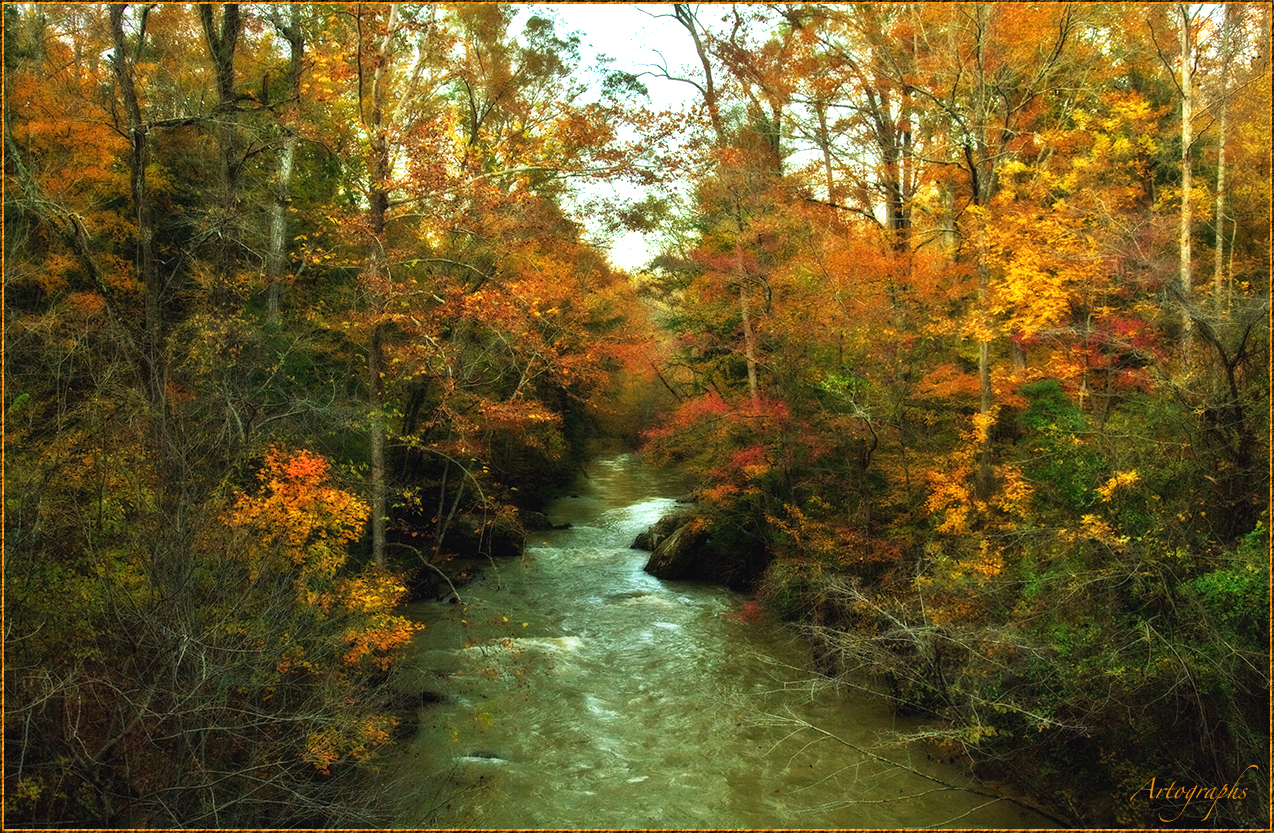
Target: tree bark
276	253
1227	49
982	173
749	343
1187	173
221	49
686	18
379	171
147	266
825	144
984	481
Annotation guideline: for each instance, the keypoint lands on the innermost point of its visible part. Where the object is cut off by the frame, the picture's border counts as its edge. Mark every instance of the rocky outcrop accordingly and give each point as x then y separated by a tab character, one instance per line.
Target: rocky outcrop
651	538
468	544
405	710
680	555
538	522
474	535
684	550
441	581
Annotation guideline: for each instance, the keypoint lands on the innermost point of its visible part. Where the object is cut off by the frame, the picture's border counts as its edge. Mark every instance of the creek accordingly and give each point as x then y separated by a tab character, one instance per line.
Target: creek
578	691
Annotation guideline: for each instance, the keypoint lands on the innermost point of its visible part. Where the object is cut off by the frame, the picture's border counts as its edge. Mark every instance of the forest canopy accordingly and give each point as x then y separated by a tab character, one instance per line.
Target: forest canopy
960	316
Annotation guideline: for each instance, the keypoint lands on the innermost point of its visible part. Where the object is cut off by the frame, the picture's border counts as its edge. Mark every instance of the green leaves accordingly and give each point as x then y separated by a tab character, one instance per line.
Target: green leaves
1236	596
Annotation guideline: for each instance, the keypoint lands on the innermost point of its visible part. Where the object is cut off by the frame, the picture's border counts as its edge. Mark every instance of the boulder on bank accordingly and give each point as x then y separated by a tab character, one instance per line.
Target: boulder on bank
665	526
472	534
685	550
686	555
673	557
405	709
438	581
538	522
534	521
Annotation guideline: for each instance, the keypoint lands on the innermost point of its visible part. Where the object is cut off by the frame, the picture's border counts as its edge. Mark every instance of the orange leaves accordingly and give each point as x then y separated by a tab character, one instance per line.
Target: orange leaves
517	414
751	462
297	511
304	468
374	631
947	380
712	430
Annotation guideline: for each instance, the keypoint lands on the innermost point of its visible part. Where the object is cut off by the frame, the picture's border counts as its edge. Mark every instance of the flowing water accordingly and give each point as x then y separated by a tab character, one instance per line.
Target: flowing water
578	691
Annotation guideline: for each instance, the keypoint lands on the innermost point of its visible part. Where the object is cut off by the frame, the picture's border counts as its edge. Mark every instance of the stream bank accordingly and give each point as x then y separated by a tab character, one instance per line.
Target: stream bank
570	688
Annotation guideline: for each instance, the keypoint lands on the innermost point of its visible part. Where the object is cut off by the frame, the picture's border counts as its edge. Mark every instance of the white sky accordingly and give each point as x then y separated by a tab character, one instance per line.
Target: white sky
629	33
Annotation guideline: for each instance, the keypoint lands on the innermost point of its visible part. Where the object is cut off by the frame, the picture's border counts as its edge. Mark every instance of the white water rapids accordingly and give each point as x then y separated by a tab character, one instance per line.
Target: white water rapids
578	691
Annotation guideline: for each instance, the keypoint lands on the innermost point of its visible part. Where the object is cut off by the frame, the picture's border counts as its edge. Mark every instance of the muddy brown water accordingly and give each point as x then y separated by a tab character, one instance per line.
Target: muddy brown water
578	691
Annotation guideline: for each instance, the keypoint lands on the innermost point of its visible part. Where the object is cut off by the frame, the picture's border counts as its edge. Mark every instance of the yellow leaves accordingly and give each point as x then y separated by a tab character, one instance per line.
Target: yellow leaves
1012	167
1121	479
951	496
299	512
1095	528
354	742
365	604
989	561
981	425
1015	492
827	541
322	750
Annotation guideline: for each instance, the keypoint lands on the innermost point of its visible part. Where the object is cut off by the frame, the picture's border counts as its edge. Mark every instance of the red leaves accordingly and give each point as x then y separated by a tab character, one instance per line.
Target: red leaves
303	468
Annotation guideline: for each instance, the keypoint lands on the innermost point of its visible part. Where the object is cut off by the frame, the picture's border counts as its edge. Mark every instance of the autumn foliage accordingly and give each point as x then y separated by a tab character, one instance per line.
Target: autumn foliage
931	362
297	311
961	318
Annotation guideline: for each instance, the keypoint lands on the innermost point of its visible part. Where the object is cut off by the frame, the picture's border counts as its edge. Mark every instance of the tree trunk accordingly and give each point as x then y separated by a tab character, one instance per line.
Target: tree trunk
686	18
1227	48
983	482
378	207
153	347
221	49
375	403
825	144
276	253
1187	174
982	170
749	344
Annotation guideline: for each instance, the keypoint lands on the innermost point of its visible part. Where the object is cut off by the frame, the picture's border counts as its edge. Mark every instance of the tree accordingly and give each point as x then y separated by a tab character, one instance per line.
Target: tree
221	43
276	252
989	112
1185	87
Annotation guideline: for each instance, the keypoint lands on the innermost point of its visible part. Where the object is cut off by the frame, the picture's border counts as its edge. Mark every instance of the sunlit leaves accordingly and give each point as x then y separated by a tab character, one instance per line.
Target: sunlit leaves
298	511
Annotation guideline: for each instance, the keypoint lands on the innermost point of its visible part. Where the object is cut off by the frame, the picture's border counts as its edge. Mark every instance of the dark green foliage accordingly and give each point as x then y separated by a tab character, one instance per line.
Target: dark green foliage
1236	595
1063	464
